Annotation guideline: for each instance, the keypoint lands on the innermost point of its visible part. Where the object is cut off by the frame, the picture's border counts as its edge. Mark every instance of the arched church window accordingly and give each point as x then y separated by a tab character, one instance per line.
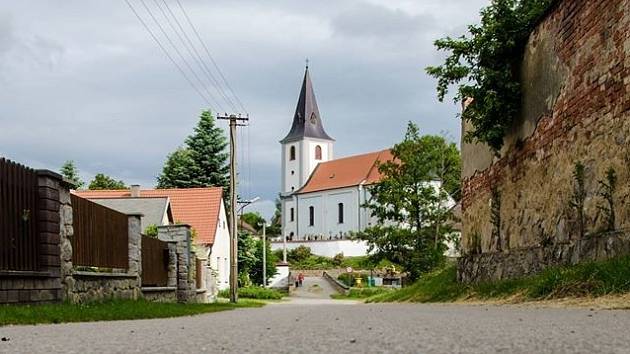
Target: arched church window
292	153
318	152
311	216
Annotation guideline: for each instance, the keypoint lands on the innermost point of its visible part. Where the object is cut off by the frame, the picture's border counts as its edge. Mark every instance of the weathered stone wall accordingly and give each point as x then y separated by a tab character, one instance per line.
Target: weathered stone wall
43	285
576	108
180	235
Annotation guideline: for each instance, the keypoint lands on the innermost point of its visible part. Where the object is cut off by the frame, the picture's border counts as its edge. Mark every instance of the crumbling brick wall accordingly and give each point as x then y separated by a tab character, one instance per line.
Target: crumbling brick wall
576	108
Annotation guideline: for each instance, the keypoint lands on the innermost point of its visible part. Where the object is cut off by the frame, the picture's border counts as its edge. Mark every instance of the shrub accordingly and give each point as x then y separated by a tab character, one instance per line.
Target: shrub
299	254
254	292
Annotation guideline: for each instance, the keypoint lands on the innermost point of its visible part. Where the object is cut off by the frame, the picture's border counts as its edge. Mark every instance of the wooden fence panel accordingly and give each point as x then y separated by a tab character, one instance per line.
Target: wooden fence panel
101	235
19	236
154	262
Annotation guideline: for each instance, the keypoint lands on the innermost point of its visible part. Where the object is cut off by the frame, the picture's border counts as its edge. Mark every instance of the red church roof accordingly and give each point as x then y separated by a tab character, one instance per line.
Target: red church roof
346	172
198	207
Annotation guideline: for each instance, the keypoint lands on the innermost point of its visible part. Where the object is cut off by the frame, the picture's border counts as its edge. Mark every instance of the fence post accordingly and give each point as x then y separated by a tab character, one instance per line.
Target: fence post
52	219
181	234
135	247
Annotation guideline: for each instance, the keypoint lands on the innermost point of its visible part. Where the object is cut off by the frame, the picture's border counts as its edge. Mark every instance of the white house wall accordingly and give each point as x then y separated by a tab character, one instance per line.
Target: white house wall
219	257
349	248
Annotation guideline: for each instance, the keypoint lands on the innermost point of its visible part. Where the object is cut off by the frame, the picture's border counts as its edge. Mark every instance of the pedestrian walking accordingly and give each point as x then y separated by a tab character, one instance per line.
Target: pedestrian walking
300	278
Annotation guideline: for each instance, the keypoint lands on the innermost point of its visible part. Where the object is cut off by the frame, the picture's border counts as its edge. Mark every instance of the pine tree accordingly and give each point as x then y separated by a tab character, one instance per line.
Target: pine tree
178	170
207	147
203	161
102	181
70	172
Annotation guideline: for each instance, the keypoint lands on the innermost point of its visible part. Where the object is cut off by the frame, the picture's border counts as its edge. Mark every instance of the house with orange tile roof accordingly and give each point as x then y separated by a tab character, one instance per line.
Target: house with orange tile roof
201	208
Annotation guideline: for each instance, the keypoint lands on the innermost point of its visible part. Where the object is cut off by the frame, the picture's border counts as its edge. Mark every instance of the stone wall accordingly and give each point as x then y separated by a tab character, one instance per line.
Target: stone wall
43	285
81	286
576	108
184	265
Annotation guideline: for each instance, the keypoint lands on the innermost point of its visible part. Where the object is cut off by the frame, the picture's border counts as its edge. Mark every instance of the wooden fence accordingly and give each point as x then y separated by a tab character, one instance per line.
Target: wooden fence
101	235
154	262
19	236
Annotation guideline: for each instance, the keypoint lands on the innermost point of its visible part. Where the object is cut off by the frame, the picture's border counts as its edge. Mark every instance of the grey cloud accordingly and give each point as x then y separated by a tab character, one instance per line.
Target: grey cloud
368	20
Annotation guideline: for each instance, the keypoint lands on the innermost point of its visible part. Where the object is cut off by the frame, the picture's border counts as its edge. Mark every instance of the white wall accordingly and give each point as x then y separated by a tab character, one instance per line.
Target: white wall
219	257
281	278
349	248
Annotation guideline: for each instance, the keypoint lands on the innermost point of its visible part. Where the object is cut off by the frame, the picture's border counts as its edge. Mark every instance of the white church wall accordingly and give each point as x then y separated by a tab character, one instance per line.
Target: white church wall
349	248
288	226
349	198
314	200
291	168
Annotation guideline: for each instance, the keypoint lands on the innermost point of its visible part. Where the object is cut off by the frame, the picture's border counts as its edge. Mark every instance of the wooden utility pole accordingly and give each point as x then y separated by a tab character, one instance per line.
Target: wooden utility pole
233	228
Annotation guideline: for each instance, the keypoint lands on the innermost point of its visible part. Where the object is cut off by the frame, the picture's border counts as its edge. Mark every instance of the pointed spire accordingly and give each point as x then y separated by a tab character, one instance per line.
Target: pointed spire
307	122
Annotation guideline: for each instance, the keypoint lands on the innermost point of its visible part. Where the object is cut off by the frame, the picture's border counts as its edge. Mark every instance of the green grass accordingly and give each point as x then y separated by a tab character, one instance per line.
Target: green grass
362	293
254	292
108	311
586	279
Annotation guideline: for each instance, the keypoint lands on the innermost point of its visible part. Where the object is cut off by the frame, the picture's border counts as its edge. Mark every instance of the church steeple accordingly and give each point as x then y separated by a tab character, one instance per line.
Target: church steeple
307	122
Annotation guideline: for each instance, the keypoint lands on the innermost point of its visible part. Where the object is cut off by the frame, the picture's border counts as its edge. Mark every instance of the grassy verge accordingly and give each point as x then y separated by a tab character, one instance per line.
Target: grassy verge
362	293
108	311
587	279
254	292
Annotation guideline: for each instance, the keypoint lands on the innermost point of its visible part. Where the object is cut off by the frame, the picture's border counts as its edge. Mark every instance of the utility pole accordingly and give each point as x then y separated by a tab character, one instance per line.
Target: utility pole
233	228
264	246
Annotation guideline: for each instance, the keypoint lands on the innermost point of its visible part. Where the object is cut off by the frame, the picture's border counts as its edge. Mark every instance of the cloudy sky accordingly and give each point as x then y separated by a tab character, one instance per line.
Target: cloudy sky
83	80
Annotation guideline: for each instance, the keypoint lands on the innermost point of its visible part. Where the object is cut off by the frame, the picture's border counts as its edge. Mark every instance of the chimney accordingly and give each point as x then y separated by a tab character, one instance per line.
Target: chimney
135	191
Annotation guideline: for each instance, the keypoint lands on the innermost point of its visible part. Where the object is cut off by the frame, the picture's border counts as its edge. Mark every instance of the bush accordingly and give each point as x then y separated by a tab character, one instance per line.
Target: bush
254	292
338	259
363	293
346	278
299	254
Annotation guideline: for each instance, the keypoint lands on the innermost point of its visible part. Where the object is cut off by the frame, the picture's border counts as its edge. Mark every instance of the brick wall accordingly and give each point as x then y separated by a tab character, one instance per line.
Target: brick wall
43	285
576	108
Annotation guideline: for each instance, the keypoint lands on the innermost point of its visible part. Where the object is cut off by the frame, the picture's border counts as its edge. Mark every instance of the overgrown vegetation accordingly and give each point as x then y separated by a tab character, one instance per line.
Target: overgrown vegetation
607	190
302	258
579	196
586	279
485	65
363	293
107	311
254	292
250	260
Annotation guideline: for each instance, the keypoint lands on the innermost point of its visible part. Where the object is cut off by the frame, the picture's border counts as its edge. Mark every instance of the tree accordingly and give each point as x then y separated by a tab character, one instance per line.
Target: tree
485	66
203	161
102	181
410	207
70	172
254	219
250	260
177	171
276	220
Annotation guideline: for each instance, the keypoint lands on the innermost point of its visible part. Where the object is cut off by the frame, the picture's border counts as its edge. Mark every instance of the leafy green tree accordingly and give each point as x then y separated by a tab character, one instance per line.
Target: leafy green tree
102	181
177	171
203	160
410	208
254	219
485	64
255	273
276	220
250	260
71	173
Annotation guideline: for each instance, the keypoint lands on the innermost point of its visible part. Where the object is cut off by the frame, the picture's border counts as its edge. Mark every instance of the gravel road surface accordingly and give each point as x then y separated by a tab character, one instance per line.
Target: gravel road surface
325	326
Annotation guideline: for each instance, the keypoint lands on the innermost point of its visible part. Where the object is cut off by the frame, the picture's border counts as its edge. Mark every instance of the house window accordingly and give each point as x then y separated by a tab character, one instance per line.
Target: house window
311	216
340	212
292	153
318	152
292	214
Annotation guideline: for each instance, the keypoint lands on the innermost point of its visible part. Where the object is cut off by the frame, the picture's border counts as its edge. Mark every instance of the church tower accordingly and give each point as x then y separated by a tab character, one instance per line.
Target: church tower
306	145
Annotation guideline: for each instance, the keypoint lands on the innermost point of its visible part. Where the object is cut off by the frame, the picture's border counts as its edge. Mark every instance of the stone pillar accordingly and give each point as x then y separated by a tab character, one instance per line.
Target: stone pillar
135	251
181	235
172	264
66	234
52	219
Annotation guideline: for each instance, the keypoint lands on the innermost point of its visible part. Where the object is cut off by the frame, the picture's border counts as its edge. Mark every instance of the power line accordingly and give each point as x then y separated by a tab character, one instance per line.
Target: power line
192	50
240	103
168	38
181	71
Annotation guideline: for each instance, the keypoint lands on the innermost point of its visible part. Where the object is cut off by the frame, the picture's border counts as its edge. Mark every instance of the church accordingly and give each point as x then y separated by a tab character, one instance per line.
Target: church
321	196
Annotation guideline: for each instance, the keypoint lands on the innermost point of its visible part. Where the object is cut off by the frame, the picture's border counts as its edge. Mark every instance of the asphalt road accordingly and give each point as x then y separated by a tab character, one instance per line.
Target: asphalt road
314	325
